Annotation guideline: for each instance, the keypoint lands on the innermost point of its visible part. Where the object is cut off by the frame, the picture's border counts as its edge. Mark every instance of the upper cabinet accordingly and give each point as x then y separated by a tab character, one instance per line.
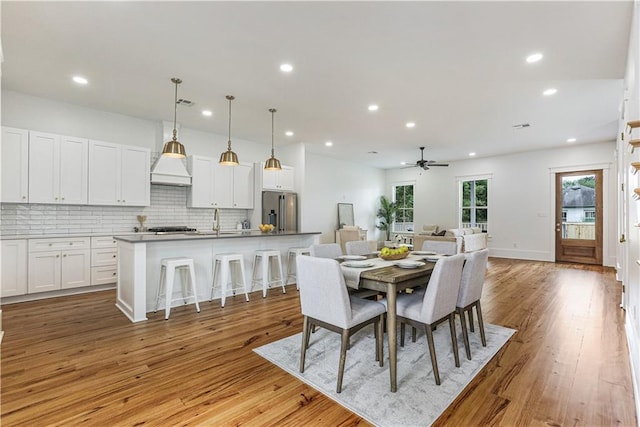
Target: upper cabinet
58	167
15	165
118	174
218	186
282	180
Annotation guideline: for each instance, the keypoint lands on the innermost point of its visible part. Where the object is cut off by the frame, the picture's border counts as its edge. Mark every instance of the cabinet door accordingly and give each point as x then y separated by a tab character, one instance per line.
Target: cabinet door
104	173
75	269
136	176
74	168
14	268
44	167
201	191
286	179
223	186
44	271
15	165
270	179
243	186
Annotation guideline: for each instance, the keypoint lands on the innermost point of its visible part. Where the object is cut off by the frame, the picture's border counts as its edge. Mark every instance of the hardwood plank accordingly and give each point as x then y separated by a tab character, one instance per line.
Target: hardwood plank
78	360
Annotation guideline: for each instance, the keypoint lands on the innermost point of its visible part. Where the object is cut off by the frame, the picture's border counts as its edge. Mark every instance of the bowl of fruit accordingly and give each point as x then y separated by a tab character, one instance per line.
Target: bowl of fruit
394	253
266	228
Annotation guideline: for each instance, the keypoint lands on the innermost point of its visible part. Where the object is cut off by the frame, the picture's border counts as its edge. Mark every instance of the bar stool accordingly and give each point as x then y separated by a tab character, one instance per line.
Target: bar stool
291	262
262	262
168	268
222	270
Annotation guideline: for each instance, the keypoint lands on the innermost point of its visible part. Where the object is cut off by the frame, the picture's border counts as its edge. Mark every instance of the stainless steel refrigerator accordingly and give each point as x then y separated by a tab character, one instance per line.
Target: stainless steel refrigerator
281	210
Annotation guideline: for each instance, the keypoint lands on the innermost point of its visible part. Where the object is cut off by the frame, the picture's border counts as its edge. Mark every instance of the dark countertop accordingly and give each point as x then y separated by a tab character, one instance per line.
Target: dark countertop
151	238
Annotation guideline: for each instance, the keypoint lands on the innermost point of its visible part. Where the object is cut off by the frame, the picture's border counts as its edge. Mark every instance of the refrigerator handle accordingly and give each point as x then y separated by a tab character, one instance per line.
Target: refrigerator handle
281	207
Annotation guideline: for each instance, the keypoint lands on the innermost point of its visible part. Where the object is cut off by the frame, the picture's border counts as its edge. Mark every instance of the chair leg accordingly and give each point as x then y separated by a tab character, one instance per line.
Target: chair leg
481	324
305	341
454	338
465	335
471	327
160	287
343	357
432	353
401	334
379	339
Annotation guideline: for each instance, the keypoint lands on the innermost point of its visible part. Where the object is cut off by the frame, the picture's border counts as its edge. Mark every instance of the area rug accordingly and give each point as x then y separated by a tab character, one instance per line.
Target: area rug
365	388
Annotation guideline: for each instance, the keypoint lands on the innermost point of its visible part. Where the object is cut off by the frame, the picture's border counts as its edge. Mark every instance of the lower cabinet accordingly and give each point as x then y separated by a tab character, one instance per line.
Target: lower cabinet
59	264
104	268
14	268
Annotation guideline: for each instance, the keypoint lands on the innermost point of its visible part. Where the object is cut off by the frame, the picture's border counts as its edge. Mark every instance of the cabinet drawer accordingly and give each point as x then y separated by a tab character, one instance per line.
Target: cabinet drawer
103	242
38	245
102	257
104	275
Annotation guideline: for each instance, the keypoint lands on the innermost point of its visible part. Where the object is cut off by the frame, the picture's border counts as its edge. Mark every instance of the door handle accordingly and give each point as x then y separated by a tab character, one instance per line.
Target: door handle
622	239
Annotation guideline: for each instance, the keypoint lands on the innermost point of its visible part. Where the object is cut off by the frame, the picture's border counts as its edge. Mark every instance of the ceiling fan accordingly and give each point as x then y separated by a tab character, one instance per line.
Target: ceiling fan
426	164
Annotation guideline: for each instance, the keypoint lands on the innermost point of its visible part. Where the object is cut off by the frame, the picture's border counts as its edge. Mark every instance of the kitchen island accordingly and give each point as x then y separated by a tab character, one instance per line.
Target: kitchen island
139	261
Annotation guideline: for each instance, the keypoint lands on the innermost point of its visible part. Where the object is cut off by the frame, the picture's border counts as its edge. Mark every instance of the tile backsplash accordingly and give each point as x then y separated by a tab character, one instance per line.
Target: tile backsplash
168	207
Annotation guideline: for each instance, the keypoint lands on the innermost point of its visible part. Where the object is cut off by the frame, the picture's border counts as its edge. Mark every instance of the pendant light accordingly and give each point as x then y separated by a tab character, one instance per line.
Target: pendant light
174	148
228	157
272	163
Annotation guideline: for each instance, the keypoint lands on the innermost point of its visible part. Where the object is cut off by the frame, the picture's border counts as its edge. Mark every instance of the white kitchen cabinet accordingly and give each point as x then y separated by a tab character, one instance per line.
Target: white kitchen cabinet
218	186
58	169
15	165
118	174
59	264
282	180
14	268
104	260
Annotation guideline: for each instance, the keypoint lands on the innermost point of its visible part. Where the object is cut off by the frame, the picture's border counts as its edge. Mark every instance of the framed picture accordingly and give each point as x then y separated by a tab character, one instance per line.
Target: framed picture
345	215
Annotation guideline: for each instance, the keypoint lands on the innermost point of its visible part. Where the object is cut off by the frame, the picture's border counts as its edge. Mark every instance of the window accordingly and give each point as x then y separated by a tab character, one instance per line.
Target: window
403	198
590	215
474	203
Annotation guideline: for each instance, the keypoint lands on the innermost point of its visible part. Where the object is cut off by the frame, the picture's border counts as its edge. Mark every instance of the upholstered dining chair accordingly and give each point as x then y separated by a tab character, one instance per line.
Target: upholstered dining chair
358	247
350	234
471	284
425	310
325	302
326	250
440	247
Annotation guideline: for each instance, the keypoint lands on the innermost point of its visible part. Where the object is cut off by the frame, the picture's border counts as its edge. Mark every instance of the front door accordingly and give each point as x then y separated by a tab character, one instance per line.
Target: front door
579	217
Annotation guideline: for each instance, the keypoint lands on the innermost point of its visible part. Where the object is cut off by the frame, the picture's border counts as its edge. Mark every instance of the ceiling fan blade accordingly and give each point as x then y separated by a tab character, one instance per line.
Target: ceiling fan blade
438	164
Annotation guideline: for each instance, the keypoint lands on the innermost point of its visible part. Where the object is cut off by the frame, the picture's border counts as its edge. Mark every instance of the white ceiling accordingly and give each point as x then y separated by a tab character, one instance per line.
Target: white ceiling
457	69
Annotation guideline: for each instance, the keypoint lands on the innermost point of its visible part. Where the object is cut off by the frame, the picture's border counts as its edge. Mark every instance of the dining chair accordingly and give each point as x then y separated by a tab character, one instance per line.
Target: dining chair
440	247
325	302
358	247
471	284
348	235
326	250
425	310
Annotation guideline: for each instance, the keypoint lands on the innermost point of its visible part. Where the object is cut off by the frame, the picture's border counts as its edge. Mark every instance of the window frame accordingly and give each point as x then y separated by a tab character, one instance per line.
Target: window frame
412	208
460	182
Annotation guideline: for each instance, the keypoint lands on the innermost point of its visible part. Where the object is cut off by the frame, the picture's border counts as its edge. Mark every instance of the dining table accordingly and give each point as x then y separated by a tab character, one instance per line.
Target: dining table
390	278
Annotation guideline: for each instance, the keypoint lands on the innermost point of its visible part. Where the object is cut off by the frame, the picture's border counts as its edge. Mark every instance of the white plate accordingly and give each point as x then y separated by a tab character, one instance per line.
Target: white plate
358	264
435	258
408	264
352	257
423	253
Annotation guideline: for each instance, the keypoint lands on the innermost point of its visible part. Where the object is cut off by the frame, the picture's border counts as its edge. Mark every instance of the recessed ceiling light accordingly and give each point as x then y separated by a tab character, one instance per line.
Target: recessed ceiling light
472	154
373	107
403	163
410	124
80	80
289	133
550	92
534	57
287	68
328	144
571	140
207	113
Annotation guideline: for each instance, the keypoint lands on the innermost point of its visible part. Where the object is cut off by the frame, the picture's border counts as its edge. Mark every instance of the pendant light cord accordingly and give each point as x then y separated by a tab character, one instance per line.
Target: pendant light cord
272	113
175	109
229	141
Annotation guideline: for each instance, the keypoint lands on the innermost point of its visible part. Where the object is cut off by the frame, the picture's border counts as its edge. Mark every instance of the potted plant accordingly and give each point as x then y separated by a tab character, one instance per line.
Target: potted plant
386	214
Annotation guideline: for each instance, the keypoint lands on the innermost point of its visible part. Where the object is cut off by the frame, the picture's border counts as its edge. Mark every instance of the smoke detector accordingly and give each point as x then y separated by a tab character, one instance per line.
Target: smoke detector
185	102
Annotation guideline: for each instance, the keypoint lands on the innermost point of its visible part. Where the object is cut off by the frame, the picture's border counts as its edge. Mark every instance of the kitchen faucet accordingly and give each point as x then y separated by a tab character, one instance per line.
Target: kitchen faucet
216	221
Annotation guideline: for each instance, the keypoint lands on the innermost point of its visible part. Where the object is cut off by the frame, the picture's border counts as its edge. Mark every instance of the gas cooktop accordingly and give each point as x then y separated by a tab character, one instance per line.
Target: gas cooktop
171	229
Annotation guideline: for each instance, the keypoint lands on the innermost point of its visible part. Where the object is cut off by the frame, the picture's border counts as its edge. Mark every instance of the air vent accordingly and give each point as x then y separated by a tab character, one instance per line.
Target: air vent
521	125
185	102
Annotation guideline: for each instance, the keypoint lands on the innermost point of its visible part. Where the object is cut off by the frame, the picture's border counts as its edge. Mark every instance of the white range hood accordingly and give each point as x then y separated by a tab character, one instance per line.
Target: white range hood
169	170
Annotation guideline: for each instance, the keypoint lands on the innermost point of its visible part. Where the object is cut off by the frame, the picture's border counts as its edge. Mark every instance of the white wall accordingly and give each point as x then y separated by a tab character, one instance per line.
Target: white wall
329	182
521	204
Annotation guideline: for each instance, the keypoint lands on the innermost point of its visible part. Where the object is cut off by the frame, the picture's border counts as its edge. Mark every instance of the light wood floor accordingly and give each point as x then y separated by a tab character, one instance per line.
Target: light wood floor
77	360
